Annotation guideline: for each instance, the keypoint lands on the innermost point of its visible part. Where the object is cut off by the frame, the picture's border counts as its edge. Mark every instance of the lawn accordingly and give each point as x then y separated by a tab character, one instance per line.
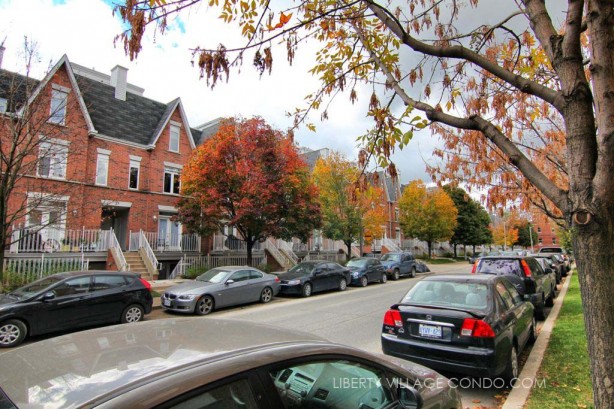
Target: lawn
565	368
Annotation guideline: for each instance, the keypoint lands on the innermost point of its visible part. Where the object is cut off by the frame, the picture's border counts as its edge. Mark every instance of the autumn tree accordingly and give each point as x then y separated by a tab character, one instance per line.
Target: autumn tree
352	208
523	105
249	176
504	235
427	214
472	227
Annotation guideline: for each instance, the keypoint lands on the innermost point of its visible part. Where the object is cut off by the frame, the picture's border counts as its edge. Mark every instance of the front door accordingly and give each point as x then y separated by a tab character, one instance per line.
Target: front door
117	219
49	223
169	234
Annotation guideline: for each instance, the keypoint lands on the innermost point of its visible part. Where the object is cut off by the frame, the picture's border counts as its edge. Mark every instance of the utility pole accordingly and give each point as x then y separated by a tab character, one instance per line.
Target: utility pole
531	236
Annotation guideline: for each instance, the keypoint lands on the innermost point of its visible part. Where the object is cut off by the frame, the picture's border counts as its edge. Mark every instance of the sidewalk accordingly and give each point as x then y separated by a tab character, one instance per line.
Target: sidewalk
160	285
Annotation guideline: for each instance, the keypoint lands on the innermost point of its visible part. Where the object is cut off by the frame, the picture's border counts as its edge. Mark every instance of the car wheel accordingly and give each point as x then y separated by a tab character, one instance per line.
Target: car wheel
533	331
363	282
412	274
550	299
307	289
132	313
12	333
384	278
540	314
266	295
204	305
396	274
343	284
511	371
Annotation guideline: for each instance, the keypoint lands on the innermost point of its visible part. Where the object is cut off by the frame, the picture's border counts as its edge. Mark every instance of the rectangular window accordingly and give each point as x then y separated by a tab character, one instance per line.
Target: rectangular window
134	175
102	169
171	181
554	240
3	105
174	139
57	114
52	159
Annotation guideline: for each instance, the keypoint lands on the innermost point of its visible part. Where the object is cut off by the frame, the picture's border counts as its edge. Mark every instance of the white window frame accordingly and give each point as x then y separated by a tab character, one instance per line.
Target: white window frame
175	173
3	105
102	167
174	136
135	163
57	105
56	151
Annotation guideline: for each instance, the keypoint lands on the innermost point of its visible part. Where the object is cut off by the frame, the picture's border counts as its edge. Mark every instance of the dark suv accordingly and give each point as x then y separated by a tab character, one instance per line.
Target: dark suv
526	274
400	264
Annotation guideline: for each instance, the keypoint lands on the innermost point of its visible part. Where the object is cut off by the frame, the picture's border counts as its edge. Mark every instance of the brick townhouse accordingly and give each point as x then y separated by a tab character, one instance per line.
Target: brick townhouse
108	158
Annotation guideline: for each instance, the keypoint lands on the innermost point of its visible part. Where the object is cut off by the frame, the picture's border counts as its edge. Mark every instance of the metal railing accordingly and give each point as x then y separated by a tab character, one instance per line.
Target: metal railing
144	244
214	260
286	249
54	240
391	245
179	270
22	271
232	243
162	243
282	259
117	251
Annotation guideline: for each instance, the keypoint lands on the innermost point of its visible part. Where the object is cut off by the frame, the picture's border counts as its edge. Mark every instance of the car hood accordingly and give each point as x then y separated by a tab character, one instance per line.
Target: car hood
5	300
355	268
191	287
292	276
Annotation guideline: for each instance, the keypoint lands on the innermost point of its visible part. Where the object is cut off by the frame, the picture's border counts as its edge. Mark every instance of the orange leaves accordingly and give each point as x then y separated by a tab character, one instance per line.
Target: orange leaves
283	20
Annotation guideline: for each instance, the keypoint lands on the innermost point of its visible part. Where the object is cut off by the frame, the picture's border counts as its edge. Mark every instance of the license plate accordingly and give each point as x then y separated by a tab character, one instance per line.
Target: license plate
166	303
430	331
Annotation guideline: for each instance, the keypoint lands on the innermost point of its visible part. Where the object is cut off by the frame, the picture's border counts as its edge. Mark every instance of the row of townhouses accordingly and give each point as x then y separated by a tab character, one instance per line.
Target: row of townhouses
102	179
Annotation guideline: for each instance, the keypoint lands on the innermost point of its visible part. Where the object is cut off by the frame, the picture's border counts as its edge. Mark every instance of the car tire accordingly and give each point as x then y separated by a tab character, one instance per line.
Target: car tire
307	289
412	273
363	281
396	274
204	305
266	295
343	284
550	300
384	278
510	374
533	331
12	333
132	313
540	314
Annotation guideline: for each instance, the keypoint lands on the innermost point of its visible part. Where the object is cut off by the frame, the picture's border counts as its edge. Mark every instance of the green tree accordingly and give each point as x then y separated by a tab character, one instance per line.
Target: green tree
524	105
527	236
427	214
249	176
472	227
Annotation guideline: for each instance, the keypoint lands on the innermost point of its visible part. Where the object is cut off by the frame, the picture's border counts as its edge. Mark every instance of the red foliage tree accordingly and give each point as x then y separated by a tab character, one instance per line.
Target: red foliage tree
249	176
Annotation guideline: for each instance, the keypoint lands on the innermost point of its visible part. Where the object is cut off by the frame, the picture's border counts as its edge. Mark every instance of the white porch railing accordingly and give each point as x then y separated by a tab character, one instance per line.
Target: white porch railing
117	251
158	243
356	251
179	269
391	245
282	259
51	240
214	260
286	248
232	243
22	271
144	244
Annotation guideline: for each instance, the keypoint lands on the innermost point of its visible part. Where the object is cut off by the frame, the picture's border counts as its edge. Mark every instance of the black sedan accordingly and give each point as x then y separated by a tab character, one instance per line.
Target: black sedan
67	301
309	277
366	270
472	325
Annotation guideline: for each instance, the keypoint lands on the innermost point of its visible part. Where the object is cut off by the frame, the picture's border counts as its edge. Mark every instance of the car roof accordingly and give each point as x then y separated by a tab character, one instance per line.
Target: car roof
67	274
233	268
462	278
502	257
84	366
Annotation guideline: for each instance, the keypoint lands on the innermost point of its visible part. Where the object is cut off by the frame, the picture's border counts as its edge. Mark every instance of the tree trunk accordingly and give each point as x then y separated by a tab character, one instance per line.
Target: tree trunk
2	272
430	247
595	263
349	246
454	250
249	244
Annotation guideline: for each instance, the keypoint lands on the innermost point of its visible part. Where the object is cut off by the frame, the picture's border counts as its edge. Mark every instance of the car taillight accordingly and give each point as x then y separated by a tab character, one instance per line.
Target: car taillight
477	329
525	267
475	267
276	279
393	318
146	283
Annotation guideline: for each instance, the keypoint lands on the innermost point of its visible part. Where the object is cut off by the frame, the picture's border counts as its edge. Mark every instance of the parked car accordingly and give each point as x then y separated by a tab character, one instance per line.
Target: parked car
221	287
553	262
560	251
473	325
472	258
212	364
366	270
526	274
67	301
402	264
309	277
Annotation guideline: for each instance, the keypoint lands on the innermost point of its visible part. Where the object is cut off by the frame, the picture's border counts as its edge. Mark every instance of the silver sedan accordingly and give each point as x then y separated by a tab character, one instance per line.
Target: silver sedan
221	287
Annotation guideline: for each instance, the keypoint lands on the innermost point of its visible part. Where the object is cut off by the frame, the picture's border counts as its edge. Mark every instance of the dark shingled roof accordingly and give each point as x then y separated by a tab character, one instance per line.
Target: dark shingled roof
135	120
206	131
15	88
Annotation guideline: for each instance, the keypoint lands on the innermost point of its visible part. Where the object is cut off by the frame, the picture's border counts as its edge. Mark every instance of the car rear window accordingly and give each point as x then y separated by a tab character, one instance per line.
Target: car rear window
499	267
551	250
455	294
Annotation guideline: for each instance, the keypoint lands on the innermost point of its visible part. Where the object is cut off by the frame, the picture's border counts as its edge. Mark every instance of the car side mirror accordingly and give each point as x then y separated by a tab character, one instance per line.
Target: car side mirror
409	398
49	295
228	282
317	272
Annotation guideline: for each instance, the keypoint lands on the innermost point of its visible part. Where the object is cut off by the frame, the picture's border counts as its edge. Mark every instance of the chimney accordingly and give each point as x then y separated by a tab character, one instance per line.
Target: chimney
1	54
119	79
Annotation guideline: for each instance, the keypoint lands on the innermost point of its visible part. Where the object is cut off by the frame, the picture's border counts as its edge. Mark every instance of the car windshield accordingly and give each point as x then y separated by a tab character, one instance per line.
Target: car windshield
462	295
391	257
357	263
36	287
214	275
499	266
303	268
550	250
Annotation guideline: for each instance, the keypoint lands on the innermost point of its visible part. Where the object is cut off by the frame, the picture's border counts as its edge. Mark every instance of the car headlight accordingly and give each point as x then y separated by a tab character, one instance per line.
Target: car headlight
187	297
355	274
294	282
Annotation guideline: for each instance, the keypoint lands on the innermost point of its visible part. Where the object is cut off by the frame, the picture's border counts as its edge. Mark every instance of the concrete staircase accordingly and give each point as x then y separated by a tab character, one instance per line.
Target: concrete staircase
137	265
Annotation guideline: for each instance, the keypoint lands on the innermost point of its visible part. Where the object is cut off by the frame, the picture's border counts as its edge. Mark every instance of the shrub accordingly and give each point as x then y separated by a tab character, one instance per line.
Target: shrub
194	272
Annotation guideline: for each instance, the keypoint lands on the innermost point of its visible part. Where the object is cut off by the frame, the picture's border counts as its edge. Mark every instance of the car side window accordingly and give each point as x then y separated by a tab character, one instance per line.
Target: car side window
106	282
78	285
506	297
535	267
516	297
237	394
324	384
254	274
241	275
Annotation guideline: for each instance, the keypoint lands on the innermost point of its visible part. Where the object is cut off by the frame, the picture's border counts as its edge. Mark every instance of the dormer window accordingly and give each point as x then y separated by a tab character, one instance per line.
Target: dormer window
173	145
59	99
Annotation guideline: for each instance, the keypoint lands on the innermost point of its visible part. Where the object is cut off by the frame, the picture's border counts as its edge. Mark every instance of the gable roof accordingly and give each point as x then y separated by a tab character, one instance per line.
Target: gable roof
205	131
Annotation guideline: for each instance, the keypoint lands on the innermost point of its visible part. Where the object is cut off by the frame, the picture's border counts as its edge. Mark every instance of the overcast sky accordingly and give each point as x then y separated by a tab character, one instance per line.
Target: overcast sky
84	31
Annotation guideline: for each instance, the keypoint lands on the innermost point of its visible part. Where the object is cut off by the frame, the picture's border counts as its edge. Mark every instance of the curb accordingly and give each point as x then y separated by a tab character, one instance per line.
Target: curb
518	396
